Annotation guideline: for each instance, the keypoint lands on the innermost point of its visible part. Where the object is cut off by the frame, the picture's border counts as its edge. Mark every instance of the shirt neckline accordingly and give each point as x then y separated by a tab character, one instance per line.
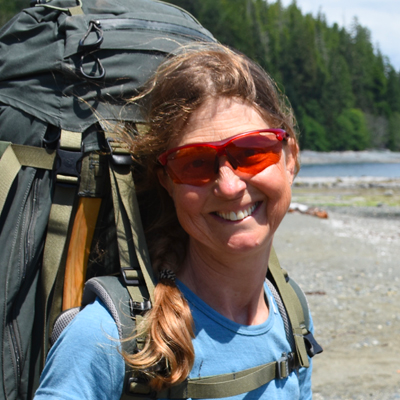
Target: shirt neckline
249	330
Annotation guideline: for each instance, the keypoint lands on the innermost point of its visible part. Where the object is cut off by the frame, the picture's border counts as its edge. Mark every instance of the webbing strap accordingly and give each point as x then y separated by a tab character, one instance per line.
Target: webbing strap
70	140
293	308
127	219
54	253
9	166
76	10
54	249
13	158
227	385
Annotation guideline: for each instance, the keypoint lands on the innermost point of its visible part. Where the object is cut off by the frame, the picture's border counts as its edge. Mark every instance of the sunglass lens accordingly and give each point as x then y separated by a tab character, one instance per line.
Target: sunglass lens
192	165
254	153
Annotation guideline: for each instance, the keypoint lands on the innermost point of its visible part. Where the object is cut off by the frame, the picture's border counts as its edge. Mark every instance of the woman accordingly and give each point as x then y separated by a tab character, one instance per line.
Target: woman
221	147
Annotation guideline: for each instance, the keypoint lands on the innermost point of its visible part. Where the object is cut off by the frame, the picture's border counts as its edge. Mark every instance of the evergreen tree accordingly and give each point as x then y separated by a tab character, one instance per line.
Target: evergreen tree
394	132
8	8
351	132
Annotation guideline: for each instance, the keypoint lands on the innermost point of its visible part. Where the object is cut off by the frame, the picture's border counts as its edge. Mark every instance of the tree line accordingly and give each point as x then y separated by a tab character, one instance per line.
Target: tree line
345	92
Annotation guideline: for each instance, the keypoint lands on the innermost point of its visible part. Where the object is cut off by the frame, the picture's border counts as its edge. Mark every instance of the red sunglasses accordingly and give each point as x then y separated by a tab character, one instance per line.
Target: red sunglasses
198	163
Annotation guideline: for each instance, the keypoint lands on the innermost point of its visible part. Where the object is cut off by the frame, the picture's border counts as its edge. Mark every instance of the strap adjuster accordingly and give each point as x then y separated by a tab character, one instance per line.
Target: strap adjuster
285	365
118	153
139	387
139	308
129	280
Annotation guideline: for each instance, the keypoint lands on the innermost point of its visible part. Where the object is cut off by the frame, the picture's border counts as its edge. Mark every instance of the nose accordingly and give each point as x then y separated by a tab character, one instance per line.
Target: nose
228	183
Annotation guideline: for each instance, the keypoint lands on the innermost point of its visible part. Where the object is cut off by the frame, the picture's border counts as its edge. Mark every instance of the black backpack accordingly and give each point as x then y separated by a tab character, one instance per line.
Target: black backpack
68	209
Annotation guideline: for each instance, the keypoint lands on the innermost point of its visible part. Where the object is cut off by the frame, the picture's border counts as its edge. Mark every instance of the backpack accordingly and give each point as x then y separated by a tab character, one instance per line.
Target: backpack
68	209
292	305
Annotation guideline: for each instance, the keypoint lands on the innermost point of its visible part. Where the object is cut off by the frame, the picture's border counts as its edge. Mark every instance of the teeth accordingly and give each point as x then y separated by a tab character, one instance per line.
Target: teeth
240	215
232	216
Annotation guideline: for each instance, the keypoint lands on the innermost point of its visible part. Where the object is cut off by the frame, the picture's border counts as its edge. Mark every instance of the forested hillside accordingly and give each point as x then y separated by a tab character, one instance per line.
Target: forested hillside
345	93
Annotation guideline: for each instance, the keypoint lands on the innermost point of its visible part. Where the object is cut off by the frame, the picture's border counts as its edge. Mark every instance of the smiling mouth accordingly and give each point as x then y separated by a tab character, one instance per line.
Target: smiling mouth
242	214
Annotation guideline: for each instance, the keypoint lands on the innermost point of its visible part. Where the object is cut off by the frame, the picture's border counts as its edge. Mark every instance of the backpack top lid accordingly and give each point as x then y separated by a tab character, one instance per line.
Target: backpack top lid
61	67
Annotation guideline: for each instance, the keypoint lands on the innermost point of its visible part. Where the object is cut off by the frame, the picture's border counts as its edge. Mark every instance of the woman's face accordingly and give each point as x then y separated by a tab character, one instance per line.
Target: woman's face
236	212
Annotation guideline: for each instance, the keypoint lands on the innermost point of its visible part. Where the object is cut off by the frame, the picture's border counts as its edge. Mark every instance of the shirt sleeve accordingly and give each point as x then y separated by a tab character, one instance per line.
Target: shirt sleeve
85	362
305	374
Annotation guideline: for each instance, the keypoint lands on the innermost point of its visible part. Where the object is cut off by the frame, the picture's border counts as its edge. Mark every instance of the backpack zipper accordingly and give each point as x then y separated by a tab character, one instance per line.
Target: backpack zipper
33	205
28	227
15	352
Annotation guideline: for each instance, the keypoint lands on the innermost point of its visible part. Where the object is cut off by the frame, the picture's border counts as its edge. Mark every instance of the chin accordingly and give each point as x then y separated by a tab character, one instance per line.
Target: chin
247	243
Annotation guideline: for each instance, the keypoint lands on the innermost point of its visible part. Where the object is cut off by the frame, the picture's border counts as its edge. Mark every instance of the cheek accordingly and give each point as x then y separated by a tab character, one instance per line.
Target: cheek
273	182
188	204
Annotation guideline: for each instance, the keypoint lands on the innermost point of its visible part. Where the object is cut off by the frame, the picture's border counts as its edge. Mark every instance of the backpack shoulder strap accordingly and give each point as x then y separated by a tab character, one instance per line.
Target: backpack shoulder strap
283	313
298	311
112	292
303	301
312	346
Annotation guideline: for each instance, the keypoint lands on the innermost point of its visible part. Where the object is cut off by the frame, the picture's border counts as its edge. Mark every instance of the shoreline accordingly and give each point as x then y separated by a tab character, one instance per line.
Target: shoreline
364	182
365	195
308	157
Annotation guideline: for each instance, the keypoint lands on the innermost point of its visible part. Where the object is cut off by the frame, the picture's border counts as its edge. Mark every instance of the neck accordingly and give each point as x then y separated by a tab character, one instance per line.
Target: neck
232	285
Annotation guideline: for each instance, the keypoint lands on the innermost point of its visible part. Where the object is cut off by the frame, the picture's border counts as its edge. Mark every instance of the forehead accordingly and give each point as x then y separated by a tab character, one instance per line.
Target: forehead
219	119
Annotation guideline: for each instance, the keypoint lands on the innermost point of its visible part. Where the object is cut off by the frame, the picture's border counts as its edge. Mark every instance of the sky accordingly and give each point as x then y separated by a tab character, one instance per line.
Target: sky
381	17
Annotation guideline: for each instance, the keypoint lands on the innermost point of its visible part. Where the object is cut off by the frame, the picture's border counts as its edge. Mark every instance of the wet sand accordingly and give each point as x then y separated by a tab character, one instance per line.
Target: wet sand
349	266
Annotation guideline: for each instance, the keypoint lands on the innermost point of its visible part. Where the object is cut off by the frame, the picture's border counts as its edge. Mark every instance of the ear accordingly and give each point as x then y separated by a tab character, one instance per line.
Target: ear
165	180
291	154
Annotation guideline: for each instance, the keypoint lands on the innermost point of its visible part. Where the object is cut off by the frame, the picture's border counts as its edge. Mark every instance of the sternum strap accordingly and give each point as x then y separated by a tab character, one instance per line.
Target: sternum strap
231	384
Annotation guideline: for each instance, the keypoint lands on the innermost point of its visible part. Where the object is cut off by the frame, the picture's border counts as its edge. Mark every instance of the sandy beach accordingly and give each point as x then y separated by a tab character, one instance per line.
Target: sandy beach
348	264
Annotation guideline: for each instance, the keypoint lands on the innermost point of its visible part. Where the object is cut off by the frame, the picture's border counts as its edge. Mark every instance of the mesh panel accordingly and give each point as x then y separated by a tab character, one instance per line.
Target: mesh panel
98	289
62	322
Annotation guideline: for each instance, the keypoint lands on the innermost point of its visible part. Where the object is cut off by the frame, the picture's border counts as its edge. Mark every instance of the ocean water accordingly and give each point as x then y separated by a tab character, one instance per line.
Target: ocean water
389	170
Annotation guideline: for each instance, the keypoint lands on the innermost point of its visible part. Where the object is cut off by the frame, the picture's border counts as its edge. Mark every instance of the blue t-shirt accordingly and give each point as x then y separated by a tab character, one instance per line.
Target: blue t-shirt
85	363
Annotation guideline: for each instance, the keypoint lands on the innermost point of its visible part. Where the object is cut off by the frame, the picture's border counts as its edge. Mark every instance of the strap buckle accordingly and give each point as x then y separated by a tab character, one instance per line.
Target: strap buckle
285	365
139	308
69	157
312	346
139	387
69	162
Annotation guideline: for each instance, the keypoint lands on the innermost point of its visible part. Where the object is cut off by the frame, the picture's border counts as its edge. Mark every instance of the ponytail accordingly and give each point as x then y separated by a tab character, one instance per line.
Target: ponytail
168	355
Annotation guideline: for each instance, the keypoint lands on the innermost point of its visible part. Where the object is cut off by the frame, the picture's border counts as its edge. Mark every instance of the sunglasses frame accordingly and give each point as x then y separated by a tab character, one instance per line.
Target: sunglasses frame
219	146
